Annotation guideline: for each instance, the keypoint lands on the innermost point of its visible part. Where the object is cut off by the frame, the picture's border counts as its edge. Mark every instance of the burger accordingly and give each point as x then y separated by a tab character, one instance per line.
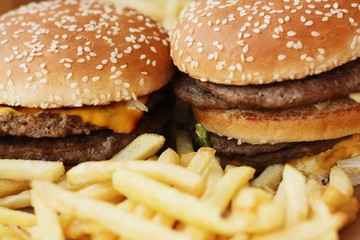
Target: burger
79	80
270	81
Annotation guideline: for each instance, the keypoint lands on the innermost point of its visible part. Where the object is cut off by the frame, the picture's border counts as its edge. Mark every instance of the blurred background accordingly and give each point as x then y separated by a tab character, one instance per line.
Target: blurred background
164	11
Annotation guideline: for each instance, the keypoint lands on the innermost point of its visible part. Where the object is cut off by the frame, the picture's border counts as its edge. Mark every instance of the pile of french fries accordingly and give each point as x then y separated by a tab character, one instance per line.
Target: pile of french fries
163	11
141	195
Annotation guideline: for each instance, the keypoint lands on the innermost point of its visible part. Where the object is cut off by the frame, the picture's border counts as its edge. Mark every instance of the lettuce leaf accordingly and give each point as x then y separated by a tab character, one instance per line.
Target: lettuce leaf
202	135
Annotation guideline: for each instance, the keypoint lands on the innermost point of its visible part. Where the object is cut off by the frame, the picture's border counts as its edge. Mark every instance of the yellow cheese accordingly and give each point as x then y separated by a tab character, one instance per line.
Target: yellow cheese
116	116
322	163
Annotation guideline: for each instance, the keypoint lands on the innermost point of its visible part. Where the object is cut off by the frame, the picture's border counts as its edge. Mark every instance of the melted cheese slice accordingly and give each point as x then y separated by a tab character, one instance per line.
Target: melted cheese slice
322	163
118	116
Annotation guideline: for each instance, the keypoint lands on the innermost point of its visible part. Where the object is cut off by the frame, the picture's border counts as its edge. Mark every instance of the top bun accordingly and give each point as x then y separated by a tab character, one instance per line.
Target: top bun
80	52
257	42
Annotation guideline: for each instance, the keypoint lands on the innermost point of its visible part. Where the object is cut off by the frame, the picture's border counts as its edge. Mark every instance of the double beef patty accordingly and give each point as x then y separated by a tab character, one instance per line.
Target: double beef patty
337	83
49	136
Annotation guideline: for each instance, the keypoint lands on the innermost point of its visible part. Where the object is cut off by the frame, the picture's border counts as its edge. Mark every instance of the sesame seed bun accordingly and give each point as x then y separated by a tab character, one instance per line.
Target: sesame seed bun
74	53
247	42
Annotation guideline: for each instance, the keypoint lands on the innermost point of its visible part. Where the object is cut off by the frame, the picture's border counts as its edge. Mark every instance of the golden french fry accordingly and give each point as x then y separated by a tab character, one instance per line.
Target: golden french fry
310	229
164	220
239	236
22	234
331	235
221	195
82	229
275	210
172	202
213	172
270	178
319	208
225	190
333	197
47	219
171	174
142	147
144	212
295	191
314	187
201	160
92	172
77	228
183	142
102	191
169	156
249	198
17	218
10	187
280	195
185	159
339	179
214	175
29	170
64	183
18	201
105	214
8	233
127	205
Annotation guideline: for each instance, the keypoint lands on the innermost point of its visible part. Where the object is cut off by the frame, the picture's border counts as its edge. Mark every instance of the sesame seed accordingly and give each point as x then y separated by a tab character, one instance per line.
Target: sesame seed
8	72
281	57
315	34
309	23
291	33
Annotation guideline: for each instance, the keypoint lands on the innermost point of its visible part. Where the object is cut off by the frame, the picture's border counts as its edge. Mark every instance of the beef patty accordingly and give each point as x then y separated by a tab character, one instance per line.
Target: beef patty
339	82
262	155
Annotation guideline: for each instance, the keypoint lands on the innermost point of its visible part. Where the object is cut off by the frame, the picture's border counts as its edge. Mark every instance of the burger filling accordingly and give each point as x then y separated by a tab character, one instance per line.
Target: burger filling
74	135
314	90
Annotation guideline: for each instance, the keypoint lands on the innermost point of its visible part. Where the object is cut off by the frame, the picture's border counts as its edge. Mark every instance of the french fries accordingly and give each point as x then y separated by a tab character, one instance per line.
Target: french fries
172	196
296	198
10	187
105	214
17	218
164	11
149	143
29	170
17	201
47	219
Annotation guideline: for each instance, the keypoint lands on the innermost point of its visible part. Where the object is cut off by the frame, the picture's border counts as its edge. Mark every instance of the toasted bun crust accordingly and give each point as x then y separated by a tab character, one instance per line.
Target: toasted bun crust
255	42
320	122
80	52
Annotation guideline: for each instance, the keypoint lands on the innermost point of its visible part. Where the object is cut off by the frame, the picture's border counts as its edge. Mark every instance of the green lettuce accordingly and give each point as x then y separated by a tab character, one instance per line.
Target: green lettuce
202	135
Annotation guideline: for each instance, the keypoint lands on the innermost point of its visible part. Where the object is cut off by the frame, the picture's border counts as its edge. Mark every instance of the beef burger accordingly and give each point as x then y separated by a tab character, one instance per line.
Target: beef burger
79	80
270	81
